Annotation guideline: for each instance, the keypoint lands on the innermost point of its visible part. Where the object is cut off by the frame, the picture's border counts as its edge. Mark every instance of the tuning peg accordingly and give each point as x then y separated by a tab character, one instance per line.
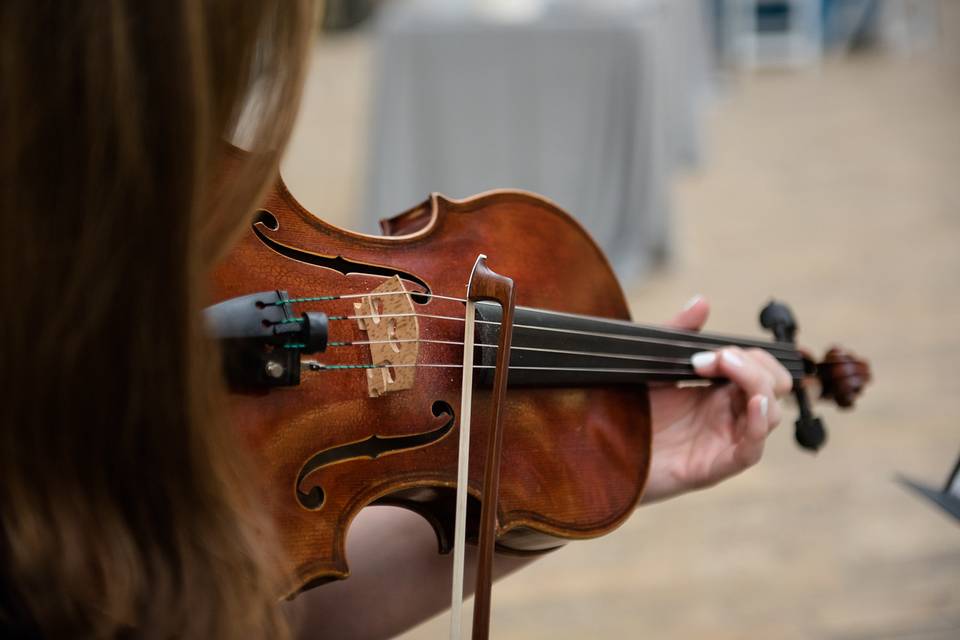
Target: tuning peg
808	429
778	318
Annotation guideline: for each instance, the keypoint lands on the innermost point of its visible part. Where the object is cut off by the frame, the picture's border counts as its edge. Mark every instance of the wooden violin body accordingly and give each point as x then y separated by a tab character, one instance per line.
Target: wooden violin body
574	460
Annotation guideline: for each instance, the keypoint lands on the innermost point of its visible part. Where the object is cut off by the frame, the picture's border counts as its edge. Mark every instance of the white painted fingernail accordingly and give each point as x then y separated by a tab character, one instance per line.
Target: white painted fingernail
692	302
764	404
733	359
703	359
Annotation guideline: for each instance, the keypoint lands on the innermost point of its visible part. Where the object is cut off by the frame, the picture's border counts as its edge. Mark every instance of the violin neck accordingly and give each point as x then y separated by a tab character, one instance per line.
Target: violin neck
559	349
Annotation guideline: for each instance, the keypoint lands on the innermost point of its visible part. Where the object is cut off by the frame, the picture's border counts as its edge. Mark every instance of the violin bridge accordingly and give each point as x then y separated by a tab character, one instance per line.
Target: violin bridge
393	333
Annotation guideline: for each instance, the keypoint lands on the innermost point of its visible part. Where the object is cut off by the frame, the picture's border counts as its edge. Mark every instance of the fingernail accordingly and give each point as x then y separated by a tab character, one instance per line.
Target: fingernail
764	404
703	359
692	302
733	359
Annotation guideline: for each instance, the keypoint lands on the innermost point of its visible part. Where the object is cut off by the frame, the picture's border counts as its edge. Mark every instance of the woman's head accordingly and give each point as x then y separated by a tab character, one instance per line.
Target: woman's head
122	502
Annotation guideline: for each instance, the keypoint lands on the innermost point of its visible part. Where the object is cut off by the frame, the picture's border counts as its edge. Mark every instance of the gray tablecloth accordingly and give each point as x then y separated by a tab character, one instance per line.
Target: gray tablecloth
588	109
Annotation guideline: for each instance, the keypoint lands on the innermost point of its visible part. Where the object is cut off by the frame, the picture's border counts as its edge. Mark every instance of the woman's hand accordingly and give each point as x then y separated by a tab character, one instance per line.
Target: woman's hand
703	435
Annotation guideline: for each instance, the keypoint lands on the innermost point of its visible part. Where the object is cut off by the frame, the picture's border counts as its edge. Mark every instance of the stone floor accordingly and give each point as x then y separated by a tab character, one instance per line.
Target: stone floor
837	190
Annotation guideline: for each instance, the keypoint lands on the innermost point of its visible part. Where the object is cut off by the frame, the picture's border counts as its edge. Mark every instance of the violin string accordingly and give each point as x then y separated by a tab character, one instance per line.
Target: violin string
598	334
678	332
312	365
346	296
788	362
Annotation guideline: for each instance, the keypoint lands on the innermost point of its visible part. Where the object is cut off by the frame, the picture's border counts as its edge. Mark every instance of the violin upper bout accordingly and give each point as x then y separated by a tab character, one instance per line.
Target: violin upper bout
842	376
408	222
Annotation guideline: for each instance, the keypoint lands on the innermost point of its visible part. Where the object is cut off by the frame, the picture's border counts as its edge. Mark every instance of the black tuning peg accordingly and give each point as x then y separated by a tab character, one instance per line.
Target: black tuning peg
809	430
778	318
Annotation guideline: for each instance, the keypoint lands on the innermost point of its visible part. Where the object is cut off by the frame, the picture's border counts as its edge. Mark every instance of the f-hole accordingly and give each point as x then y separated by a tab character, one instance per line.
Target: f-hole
340	264
371	448
267	219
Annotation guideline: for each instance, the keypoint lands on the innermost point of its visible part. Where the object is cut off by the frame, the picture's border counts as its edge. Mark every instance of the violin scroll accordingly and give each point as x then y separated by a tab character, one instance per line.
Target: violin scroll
842	377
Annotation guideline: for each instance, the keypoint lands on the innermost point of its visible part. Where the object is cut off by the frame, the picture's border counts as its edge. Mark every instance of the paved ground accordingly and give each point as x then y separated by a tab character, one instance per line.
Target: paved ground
838	191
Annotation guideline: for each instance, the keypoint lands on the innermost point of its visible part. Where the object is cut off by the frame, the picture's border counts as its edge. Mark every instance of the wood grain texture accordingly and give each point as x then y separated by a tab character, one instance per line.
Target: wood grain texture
574	460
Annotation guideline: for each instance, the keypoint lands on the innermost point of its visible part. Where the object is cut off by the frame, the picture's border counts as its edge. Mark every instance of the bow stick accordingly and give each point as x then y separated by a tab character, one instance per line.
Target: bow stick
484	284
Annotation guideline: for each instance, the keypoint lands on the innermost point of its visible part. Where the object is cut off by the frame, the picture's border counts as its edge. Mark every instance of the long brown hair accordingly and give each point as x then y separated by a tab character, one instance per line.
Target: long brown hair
124	508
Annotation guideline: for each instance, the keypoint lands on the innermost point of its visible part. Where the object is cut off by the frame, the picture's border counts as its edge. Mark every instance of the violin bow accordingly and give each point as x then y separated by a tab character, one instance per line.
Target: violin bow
484	285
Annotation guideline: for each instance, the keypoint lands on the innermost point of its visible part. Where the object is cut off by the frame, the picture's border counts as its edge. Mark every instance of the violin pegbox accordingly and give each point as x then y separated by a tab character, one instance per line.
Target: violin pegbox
842	376
809	431
390	322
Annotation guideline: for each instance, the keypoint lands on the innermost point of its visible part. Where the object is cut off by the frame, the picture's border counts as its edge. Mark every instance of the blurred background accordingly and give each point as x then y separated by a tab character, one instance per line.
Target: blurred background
803	149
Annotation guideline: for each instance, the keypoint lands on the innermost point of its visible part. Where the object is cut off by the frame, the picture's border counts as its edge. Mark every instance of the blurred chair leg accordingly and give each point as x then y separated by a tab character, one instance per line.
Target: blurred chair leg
947	498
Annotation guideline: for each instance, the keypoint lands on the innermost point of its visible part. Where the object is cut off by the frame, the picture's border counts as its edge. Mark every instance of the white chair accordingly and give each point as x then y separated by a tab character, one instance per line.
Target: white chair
772	33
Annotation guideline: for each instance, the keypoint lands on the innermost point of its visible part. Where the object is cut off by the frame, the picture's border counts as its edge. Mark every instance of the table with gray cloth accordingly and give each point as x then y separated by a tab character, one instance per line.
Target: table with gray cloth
575	106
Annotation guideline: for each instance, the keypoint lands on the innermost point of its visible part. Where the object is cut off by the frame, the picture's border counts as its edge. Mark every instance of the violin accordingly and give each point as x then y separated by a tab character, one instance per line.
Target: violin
346	354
